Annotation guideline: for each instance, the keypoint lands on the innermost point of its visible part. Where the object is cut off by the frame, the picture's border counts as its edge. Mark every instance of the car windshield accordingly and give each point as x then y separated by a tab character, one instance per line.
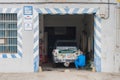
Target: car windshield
66	44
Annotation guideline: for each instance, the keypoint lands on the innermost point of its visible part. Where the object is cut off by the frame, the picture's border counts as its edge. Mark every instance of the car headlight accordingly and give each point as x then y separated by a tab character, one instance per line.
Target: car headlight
54	53
75	55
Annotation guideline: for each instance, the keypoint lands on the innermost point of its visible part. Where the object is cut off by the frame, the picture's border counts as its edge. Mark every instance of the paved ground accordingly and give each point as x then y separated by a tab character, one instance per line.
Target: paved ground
61	75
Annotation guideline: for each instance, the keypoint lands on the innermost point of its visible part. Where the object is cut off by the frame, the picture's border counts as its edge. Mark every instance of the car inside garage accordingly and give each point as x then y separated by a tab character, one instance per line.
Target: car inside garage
53	28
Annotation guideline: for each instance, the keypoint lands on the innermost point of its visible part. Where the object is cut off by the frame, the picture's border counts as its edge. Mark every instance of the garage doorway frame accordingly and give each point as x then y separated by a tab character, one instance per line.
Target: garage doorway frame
72	11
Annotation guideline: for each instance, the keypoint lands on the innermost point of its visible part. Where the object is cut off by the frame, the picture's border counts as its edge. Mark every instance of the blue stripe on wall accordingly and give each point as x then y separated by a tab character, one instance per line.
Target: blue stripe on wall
48	10
4	55
67	10
97	63
97	46
96	26
13	56
58	10
85	11
38	10
36	64
36	48
97	37
20	53
95	10
75	11
8	10
16	11
0	10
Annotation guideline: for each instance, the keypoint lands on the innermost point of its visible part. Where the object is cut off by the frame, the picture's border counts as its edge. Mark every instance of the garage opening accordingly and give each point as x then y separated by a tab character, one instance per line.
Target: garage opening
55	28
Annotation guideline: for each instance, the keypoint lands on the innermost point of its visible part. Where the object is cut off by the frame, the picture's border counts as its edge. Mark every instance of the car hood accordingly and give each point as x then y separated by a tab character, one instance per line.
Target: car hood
67	49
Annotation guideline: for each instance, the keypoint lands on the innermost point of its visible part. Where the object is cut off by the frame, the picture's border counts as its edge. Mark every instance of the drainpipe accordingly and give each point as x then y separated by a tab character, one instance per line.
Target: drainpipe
103	12
117	23
108	10
117	13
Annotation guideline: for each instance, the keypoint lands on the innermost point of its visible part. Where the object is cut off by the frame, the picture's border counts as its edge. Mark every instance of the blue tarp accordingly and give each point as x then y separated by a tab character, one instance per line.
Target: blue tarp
80	61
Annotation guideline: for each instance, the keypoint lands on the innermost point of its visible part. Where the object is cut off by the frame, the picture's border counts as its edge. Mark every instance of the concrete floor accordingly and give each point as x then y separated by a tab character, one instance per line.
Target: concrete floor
61	75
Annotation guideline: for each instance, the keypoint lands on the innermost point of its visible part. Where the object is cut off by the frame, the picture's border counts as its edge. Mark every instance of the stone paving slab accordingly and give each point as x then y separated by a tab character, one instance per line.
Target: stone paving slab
57	75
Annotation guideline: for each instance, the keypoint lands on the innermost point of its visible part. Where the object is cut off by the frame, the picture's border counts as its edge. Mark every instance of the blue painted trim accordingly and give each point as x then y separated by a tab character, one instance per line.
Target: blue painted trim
48	10
97	60
4	55
36	64
58	10
19	53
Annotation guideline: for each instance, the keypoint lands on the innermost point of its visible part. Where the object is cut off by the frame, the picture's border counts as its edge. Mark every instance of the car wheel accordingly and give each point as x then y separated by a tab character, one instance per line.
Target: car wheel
54	65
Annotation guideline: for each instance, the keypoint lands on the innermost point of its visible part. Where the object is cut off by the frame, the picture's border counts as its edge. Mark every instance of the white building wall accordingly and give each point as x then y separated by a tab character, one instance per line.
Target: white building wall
57	0
108	41
24	64
110	59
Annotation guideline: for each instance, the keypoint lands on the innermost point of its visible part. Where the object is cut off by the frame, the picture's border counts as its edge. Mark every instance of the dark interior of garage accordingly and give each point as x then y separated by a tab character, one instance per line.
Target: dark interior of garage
66	27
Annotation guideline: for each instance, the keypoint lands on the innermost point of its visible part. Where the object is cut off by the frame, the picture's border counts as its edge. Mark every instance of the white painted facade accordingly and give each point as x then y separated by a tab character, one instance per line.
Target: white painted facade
58	1
110	61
